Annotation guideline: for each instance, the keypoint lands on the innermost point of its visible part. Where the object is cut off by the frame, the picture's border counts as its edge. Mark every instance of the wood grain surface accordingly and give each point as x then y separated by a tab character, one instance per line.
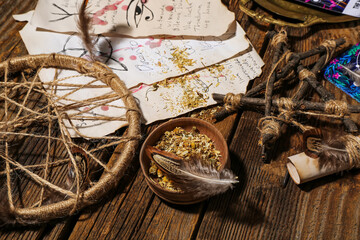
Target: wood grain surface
258	207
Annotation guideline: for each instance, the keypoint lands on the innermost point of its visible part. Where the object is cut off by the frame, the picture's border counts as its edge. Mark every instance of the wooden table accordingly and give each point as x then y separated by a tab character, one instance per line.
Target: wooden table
258	208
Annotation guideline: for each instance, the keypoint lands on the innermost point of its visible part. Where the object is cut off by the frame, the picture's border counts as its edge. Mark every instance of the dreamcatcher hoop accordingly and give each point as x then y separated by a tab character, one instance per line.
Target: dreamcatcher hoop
117	163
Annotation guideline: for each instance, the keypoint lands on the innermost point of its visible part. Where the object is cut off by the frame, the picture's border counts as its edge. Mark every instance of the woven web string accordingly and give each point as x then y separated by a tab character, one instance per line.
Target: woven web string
22	113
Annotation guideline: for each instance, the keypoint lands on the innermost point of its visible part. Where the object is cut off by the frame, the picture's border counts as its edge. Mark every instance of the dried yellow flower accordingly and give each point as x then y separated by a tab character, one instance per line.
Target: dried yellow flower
188	145
181	59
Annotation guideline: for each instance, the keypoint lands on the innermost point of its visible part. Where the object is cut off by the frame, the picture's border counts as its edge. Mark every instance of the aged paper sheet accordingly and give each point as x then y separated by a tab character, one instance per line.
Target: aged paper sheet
145	60
180	95
138	17
160	95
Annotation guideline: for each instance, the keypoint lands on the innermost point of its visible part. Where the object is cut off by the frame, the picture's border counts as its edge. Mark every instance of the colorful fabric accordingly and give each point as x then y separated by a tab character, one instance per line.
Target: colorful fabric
337	6
342	72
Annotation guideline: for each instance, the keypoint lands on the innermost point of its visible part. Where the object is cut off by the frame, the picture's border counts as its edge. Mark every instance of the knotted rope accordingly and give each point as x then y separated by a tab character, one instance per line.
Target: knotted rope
337	108
280	37
305	73
232	101
352	146
269	125
330	46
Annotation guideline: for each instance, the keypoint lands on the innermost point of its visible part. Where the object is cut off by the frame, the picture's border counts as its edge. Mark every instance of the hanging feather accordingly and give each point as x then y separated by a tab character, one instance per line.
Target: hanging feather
85	25
352	72
193	175
328	146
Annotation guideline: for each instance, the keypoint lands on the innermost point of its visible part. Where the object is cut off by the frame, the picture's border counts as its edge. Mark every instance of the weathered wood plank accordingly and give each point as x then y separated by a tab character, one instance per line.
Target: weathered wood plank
9	28
150	218
259	208
11	45
136	213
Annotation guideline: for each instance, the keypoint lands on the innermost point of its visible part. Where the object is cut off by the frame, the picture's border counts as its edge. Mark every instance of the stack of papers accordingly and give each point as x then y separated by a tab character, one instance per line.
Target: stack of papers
172	54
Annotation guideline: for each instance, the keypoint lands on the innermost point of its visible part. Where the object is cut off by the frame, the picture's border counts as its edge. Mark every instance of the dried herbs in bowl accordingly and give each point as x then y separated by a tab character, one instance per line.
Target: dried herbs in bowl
184	161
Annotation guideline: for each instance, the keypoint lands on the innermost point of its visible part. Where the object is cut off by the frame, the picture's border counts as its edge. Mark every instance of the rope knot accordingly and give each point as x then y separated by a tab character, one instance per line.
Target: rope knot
286	108
288	54
336	107
281	37
269	126
330	46
305	73
232	101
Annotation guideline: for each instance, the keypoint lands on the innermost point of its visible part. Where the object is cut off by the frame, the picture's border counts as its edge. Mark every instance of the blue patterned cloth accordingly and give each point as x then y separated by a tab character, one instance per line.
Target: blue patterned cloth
340	71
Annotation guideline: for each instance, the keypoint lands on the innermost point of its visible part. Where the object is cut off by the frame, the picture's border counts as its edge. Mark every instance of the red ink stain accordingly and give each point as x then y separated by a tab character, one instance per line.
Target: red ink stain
133	57
139	88
169	8
112	7
105	108
121	59
124	7
144	1
98	21
151	38
99	13
86	108
154	44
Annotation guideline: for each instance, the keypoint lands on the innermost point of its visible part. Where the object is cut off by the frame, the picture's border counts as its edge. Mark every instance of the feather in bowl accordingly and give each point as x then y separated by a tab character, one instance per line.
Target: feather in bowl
196	181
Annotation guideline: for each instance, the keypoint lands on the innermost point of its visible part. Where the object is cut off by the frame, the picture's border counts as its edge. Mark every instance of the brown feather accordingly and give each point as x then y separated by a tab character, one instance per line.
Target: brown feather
85	26
193	176
329	146
333	153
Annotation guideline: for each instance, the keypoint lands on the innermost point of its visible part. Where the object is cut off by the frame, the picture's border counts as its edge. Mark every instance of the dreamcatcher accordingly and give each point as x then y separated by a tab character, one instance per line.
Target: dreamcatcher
34	115
52	164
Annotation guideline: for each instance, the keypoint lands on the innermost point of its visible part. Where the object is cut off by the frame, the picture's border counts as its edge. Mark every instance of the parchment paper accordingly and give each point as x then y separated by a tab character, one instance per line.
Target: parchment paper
146	60
303	168
138	17
179	95
157	98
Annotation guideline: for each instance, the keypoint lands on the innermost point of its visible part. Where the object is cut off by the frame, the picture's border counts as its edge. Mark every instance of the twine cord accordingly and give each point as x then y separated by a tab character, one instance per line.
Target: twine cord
288	55
330	46
283	56
336	107
286	108
53	115
305	73
352	146
7	164
280	37
38	166
269	126
232	101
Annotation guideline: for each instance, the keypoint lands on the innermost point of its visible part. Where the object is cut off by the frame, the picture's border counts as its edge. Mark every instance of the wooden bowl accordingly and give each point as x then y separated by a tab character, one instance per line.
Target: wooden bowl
187	124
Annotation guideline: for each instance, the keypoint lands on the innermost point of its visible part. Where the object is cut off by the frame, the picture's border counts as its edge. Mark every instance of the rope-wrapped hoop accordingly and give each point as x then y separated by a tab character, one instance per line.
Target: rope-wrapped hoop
114	169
